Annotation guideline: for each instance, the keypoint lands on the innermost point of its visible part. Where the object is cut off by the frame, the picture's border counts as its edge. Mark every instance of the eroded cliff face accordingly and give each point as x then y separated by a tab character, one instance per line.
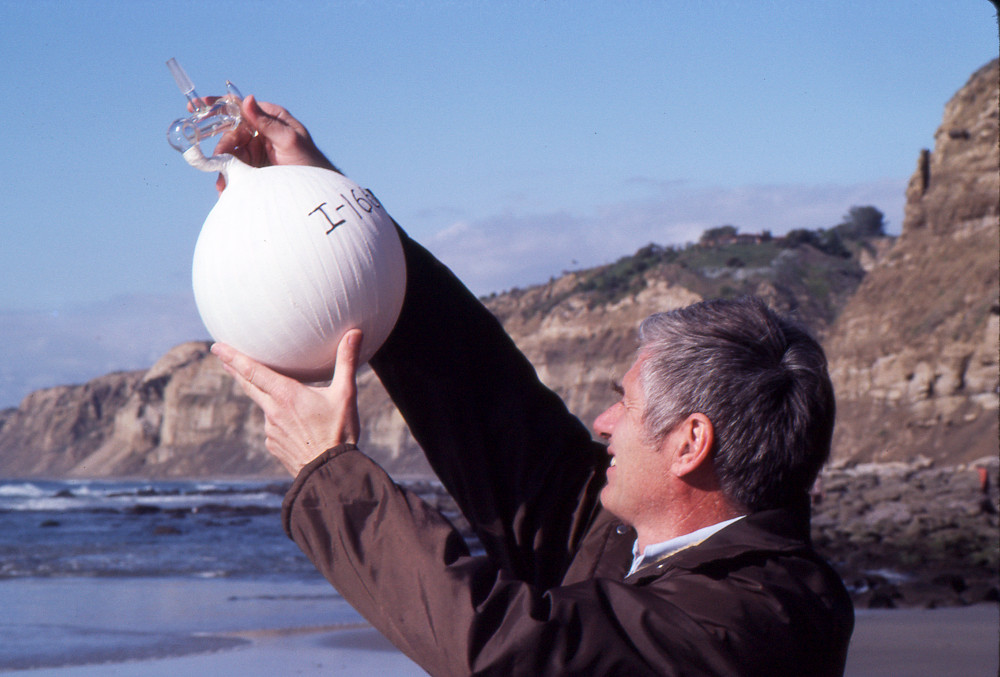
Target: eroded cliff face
182	417
56	429
185	417
914	352
580	349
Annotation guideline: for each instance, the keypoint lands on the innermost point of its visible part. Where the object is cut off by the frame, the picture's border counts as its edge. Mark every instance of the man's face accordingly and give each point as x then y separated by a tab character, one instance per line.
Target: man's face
638	484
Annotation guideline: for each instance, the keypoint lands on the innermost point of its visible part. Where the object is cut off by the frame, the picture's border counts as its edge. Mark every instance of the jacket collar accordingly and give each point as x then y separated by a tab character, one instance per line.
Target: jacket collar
781	530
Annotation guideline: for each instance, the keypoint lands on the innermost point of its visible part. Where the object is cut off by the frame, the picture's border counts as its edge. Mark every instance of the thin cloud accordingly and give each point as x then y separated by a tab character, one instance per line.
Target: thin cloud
74	345
501	252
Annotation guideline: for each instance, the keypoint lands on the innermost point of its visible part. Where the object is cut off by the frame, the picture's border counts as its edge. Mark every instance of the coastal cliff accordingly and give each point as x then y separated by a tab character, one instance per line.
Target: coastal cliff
913	355
183	417
911	328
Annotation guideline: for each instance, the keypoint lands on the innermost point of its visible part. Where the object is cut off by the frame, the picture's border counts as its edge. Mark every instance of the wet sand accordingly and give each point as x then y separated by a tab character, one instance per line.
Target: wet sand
132	626
161	627
343	652
926	642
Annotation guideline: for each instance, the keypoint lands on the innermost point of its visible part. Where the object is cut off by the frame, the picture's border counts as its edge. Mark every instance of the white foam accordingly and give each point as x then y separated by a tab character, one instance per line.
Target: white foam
25	489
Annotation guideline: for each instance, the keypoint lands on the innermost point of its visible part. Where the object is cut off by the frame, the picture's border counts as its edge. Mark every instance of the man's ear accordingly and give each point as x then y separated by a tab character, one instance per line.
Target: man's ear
696	439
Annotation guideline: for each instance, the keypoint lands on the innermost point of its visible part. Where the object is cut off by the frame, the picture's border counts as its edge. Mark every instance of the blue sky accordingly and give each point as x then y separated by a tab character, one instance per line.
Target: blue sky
515	139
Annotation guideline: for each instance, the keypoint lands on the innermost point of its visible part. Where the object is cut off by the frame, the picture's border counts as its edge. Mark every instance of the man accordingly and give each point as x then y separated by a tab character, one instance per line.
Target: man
681	548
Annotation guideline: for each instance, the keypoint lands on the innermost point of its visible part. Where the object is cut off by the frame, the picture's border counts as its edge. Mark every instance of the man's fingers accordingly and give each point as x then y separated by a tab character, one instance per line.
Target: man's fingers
284	139
240	369
257	381
345	370
270	123
344	388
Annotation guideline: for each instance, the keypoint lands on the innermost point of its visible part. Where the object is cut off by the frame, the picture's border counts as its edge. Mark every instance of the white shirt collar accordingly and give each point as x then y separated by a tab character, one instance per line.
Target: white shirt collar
660	550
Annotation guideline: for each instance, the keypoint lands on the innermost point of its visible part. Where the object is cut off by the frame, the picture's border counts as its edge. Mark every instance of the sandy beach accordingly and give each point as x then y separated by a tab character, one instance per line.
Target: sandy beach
133	626
347	652
79	627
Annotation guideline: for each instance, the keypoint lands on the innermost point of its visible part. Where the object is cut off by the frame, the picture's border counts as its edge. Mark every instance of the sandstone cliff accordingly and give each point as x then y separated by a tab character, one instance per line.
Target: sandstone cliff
914	352
913	348
185	417
182	417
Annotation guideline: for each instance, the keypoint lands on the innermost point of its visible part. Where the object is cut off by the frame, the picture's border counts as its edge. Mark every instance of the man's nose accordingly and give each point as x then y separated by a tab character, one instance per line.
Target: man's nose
605	422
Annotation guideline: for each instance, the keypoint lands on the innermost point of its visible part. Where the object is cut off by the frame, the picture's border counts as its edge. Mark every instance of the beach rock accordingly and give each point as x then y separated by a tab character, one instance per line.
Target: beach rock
912	534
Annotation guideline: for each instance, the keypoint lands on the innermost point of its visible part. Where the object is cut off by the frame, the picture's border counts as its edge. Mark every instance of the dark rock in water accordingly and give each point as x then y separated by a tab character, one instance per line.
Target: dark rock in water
50	523
224	509
102	511
166	530
64	493
144	510
152	491
277	488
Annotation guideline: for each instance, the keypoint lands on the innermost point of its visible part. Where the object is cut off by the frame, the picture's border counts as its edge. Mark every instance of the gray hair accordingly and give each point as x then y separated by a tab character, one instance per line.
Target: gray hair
762	381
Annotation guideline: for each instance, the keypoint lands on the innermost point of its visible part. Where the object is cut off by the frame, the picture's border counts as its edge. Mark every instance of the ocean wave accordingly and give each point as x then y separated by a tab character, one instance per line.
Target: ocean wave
83	495
24	489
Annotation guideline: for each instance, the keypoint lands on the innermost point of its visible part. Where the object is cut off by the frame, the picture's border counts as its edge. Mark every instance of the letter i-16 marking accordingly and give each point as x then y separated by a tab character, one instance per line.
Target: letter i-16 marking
366	201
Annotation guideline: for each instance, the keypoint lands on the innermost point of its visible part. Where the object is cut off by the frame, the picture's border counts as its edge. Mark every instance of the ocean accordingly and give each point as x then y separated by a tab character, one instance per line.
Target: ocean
139	528
156	579
102	573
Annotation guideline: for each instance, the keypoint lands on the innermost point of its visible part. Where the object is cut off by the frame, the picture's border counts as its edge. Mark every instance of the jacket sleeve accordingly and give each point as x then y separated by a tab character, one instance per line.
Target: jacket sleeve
409	573
519	464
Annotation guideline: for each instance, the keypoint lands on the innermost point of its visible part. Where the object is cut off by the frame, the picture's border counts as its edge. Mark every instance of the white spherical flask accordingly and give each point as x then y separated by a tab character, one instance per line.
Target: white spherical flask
291	258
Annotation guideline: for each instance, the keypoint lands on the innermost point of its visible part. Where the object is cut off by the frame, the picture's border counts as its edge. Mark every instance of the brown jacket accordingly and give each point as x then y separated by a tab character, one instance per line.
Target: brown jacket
550	597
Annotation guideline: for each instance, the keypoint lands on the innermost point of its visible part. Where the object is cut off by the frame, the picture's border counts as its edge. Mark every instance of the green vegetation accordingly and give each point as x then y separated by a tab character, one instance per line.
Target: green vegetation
720	256
860	223
809	271
625	276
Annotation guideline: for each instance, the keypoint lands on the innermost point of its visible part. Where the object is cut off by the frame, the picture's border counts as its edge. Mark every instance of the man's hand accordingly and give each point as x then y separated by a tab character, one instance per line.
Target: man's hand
301	422
269	135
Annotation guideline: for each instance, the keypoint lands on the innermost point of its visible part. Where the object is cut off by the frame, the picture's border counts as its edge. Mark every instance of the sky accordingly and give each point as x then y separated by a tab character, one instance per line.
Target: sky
515	140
